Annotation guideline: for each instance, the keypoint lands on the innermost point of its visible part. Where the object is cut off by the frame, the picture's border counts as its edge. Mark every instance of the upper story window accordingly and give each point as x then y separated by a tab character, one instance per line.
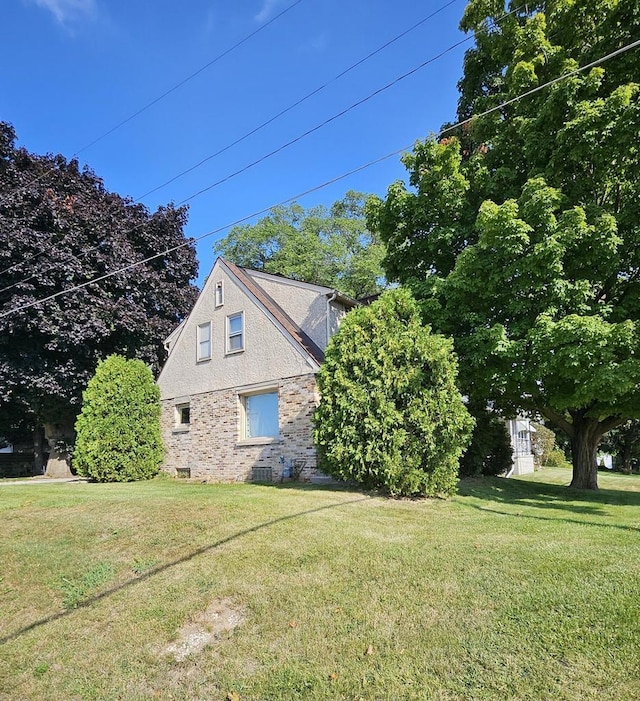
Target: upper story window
235	332
219	294
204	341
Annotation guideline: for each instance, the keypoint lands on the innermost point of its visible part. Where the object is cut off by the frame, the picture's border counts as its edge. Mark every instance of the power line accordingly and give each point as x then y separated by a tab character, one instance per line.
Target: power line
172	89
309	95
264	124
324	123
448	129
308	132
189	77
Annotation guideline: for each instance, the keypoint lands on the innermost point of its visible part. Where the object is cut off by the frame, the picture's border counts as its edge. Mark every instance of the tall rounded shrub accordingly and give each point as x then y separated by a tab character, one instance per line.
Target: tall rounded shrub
390	415
118	429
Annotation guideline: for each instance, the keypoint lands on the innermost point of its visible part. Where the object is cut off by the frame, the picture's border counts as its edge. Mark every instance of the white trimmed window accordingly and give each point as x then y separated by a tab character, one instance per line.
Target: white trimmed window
204	341
260	415
183	415
219	294
235	332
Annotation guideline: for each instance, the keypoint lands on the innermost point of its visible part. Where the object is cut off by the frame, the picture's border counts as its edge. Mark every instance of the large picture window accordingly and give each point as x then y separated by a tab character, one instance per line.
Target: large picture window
260	415
204	341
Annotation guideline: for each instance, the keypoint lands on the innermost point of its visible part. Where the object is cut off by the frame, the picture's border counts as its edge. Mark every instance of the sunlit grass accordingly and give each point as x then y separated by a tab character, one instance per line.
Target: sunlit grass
514	589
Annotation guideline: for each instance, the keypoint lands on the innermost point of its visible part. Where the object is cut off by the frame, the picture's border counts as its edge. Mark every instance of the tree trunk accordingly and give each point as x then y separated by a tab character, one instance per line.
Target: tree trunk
59	437
38	454
584	448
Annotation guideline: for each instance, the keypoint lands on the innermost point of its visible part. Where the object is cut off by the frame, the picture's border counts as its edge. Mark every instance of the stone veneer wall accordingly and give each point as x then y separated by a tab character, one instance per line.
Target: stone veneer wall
209	447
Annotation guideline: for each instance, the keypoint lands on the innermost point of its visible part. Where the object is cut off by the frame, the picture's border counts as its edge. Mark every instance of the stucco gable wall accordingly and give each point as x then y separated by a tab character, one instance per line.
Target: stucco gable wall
307	307
268	353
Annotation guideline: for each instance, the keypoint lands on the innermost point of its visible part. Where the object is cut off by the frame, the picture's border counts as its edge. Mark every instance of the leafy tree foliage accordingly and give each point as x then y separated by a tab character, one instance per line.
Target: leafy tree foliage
59	227
332	248
490	451
390	415
624	444
118	429
521	231
543	442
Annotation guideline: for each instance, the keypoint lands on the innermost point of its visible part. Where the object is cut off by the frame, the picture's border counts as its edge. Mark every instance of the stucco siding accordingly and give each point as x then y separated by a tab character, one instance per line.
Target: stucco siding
307	307
267	353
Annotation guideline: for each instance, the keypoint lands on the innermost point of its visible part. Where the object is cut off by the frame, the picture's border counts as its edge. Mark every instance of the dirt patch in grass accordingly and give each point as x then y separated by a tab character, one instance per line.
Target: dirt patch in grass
219	617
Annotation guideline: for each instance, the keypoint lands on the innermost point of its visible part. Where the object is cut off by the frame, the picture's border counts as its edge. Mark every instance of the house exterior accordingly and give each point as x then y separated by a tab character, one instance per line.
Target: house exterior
238	389
520	430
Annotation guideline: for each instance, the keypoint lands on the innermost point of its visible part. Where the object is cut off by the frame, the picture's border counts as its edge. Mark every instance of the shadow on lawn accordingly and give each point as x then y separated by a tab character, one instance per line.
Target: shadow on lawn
540	495
168	565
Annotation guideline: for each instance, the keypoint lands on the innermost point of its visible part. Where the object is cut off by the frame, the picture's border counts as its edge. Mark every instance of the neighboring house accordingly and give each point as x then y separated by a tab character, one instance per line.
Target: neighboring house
520	431
238	389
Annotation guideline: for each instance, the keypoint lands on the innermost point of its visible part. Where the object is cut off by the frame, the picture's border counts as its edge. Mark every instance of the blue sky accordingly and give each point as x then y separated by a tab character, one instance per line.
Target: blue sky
74	69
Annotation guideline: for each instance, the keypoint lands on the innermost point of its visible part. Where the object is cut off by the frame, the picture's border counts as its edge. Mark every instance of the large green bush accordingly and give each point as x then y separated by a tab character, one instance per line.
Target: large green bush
390	415
118	430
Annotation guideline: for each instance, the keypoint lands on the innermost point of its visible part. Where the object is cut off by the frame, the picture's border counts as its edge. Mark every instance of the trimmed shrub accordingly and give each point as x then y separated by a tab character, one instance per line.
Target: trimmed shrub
543	442
557	458
390	414
118	430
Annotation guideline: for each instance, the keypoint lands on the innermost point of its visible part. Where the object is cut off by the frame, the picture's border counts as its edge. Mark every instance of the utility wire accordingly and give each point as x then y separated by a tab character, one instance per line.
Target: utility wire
189	77
172	89
309	95
319	126
301	136
261	126
448	129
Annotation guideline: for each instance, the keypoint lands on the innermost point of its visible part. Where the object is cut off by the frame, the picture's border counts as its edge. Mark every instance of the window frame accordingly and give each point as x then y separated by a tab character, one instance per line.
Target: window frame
244	399
219	294
179	415
199	341
240	334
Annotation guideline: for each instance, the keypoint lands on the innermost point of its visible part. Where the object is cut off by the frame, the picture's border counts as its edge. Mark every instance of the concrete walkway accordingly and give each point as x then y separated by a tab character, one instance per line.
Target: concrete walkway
43	480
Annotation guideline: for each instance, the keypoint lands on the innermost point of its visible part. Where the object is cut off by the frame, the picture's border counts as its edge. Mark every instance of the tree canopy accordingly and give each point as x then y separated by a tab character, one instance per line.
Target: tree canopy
390	415
326	247
59	227
520	230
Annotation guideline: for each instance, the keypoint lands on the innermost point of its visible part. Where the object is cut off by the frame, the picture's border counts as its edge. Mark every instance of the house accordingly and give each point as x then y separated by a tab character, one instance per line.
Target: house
238	389
520	430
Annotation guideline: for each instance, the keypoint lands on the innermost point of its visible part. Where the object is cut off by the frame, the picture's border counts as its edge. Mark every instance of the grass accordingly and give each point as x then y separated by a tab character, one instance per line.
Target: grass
514	589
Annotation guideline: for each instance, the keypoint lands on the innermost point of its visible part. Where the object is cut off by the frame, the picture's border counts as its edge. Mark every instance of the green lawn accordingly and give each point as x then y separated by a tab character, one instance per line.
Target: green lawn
514	589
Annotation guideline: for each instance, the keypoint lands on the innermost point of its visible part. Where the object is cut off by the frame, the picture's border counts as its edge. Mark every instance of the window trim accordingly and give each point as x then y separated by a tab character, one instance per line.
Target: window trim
219	298
179	425
229	335
243	396
199	341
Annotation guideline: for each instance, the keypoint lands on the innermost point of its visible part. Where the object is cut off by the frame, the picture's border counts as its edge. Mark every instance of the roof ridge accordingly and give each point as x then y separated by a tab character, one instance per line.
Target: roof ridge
300	336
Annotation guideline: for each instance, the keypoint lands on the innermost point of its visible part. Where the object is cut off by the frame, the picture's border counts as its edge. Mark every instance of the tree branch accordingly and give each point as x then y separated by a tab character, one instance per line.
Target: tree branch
559	420
610	423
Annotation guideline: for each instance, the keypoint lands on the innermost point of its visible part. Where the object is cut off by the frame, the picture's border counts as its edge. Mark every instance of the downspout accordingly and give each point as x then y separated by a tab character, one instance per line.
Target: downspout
334	294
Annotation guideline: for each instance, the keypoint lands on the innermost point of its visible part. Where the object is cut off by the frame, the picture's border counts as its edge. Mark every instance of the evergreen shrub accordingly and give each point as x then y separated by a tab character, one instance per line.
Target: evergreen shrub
390	415
118	429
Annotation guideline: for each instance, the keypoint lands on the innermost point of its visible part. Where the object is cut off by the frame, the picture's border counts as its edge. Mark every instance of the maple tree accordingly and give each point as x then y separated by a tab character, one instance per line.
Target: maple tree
519	229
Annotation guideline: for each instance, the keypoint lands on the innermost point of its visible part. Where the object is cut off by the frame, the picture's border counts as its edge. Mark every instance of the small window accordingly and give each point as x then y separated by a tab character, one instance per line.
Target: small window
260	415
219	294
235	333
183	415
204	341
